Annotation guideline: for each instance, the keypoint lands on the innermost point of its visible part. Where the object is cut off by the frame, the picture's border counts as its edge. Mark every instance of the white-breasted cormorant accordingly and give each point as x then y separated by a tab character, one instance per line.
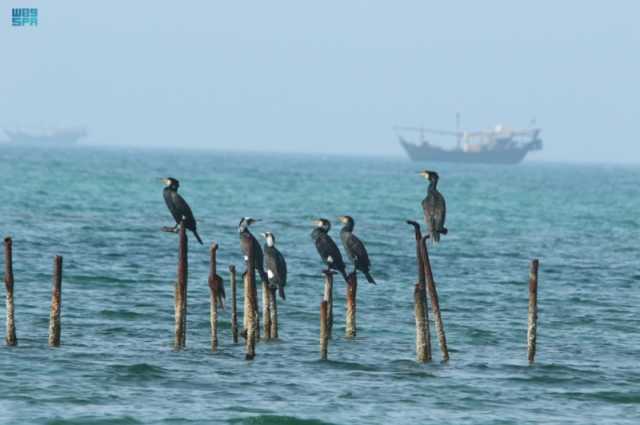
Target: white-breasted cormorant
275	264
178	206
327	248
354	247
247	240
434	207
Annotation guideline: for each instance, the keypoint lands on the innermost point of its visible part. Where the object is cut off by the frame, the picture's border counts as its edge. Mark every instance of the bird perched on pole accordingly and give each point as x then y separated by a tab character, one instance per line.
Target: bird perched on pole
327	248
355	248
179	208
248	242
275	263
434	207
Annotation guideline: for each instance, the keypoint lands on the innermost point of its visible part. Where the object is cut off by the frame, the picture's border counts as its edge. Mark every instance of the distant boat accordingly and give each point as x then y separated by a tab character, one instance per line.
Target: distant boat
498	146
58	137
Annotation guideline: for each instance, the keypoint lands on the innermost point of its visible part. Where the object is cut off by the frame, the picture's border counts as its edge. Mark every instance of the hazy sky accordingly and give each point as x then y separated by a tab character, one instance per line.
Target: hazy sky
326	76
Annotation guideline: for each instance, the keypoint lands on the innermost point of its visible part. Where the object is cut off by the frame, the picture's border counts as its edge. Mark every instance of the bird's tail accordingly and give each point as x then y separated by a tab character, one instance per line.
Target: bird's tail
195	233
435	236
369	277
281	292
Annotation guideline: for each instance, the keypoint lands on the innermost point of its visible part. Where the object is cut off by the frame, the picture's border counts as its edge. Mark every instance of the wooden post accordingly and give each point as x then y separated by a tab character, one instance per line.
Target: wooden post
266	310
251	315
10	338
423	334
56	303
274	313
328	297
533	311
324	334
234	306
217	294
350	320
181	290
435	304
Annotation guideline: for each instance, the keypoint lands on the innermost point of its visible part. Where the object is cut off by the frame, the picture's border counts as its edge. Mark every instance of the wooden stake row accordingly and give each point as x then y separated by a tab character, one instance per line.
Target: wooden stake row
425	287
56	298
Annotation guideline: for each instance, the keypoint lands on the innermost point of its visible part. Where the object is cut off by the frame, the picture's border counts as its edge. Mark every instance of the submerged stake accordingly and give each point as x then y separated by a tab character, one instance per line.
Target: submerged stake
10	338
56	303
234	306
435	303
181	290
423	335
533	311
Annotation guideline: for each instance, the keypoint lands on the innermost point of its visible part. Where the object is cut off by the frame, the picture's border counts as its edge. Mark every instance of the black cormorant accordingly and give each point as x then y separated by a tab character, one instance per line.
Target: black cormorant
178	206
327	248
434	207
247	240
275	263
355	248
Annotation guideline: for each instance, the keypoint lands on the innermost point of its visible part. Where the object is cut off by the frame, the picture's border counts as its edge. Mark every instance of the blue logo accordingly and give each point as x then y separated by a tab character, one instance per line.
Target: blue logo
22	17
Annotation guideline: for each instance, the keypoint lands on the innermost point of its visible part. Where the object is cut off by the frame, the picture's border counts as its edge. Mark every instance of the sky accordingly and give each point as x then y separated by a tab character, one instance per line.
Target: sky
325	77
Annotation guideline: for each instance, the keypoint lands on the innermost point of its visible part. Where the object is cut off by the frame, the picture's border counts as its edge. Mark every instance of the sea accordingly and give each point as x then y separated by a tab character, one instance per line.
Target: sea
102	210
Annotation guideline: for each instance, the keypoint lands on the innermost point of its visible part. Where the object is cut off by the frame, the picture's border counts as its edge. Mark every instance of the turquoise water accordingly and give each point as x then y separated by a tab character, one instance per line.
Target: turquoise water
102	210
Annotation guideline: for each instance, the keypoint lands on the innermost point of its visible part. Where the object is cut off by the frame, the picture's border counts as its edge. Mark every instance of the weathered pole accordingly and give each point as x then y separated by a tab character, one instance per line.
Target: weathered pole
181	290
350	319
250	303
266	310
435	303
273	307
324	331
533	311
328	297
234	306
10	338
423	334
217	294
56	303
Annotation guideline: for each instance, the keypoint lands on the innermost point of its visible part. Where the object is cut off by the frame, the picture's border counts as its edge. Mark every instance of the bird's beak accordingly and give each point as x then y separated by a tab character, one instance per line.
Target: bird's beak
164	180
264	235
342	219
317	223
424	174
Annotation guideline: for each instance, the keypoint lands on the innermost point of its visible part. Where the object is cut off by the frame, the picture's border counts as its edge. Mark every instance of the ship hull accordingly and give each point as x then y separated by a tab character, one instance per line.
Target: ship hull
504	156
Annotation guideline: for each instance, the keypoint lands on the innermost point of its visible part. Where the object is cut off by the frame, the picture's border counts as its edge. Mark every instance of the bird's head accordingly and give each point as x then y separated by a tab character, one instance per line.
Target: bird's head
432	176
170	182
322	223
245	222
346	220
268	236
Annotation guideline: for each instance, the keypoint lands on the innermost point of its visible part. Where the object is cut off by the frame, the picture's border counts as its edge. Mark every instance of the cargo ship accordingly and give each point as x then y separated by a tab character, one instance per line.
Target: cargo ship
501	145
57	137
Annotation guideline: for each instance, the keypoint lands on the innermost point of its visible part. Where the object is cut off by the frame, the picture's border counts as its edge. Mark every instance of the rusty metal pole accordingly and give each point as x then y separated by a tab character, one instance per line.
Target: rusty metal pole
217	294
56	303
251	315
10	338
234	305
266	310
533	311
328	297
273	307
181	290
435	303
423	333
350	320
324	331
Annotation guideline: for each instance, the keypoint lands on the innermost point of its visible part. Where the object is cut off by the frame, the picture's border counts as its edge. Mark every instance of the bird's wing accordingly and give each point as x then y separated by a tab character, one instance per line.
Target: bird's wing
358	252
183	209
429	213
282	268
271	262
328	250
439	211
